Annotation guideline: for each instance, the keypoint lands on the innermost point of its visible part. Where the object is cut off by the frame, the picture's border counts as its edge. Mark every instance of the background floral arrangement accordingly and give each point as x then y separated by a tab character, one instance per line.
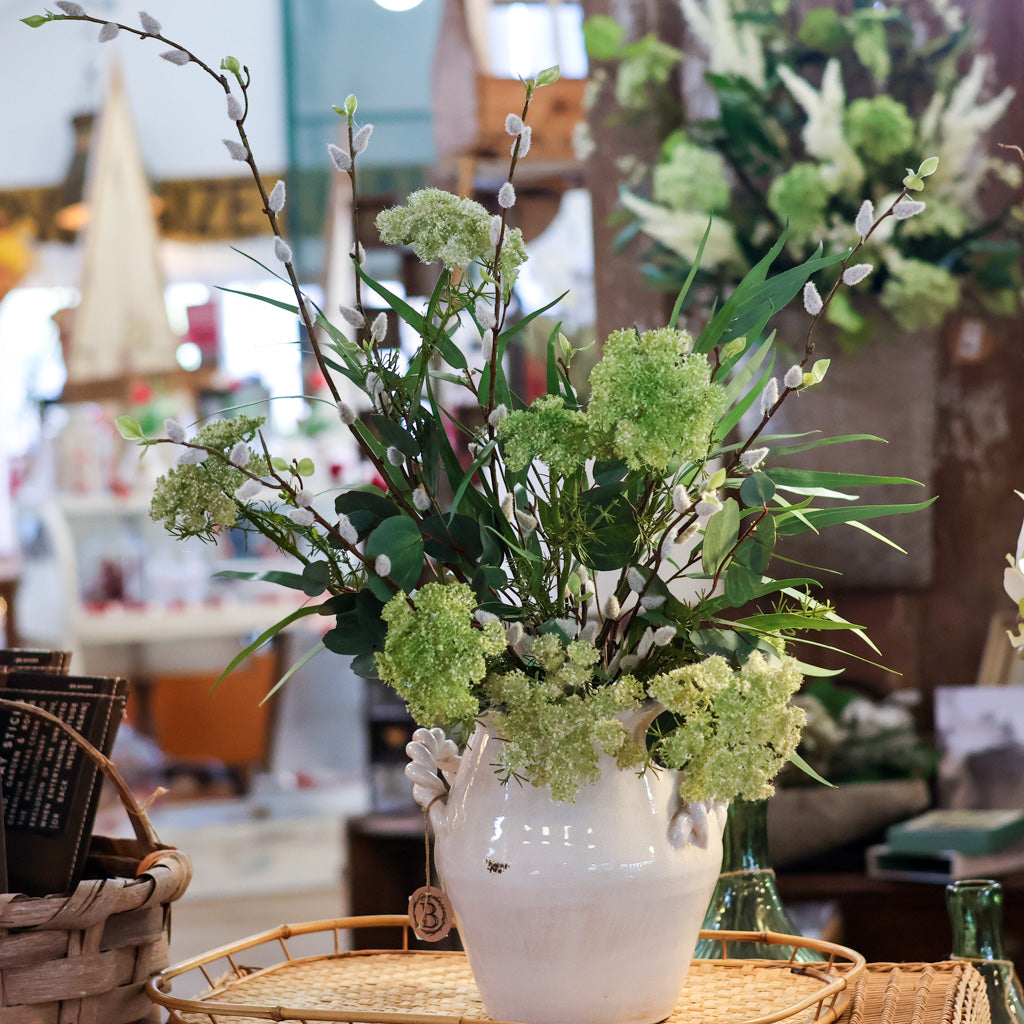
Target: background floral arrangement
593	557
786	114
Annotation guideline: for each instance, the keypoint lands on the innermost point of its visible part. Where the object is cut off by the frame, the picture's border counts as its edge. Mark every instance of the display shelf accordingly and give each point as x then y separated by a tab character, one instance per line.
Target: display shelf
415	987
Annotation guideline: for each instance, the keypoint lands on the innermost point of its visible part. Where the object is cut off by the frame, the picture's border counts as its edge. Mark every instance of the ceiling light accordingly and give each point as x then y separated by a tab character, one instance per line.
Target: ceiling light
398	5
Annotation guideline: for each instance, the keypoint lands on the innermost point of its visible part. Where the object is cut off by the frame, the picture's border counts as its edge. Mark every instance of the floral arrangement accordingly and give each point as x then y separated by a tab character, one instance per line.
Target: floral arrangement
796	119
608	547
849	737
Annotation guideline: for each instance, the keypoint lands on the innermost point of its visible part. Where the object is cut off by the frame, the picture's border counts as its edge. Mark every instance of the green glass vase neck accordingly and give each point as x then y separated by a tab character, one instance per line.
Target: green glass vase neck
746	897
976	915
745	840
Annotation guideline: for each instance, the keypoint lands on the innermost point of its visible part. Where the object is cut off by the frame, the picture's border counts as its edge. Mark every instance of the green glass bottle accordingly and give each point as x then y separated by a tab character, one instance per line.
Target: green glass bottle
975	908
746	897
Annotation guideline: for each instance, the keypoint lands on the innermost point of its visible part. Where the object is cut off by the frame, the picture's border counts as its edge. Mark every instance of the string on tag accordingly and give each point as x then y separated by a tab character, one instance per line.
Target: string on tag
429	910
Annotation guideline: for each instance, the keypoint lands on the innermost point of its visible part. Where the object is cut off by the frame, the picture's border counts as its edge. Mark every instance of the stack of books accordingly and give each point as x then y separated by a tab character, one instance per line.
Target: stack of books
944	845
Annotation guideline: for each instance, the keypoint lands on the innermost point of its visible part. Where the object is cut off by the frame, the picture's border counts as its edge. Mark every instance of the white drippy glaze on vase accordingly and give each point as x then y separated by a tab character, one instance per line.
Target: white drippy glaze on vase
570	913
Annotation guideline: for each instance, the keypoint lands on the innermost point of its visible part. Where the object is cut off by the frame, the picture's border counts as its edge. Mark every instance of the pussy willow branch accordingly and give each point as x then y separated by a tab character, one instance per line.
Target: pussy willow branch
734	459
303	307
500	306
356	248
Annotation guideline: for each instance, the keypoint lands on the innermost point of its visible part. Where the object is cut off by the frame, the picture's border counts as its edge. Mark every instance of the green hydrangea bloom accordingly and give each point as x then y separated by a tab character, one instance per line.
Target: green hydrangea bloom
554	731
441	226
652	400
643	72
800	197
195	501
919	294
879	129
434	653
692	179
547	431
737	726
823	29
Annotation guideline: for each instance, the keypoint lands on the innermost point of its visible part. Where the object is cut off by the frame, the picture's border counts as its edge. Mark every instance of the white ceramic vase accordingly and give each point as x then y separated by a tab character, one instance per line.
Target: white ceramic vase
570	913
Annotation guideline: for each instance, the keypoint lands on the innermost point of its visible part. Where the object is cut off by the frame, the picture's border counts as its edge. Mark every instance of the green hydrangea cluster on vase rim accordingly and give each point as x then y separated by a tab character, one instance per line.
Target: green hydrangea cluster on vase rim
606	553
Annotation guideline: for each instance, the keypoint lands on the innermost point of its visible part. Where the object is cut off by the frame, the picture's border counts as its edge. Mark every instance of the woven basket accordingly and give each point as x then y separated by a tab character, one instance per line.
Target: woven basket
85	958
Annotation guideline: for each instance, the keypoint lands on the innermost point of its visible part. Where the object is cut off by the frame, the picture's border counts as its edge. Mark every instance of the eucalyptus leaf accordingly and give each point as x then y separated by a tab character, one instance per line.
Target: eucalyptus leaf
720	535
396	435
365	509
399	538
731	644
316	576
452	539
758	489
740	584
365	666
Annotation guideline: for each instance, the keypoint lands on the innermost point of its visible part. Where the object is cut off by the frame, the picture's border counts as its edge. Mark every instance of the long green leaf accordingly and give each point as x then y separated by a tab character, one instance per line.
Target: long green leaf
766	587
819	492
805	767
738	408
806	599
797	638
400	306
787	477
769	622
781	451
292	580
864	528
684	291
259	263
267	634
314	650
288	306
510	332
817	671
529	555
819	518
740	381
475	465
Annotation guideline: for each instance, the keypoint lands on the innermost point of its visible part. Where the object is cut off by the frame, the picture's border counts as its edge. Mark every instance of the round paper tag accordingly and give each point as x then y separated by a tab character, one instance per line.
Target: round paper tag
430	913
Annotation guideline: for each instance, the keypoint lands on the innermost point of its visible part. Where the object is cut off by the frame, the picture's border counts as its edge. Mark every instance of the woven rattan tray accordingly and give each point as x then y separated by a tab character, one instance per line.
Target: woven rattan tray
415	987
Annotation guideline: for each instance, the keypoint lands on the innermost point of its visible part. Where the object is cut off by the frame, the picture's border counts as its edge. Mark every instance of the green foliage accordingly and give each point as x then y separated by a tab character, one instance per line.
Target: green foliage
540	580
803	114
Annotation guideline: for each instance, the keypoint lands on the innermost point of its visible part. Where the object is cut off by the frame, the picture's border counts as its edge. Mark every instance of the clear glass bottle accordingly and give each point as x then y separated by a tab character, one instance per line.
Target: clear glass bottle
746	897
975	908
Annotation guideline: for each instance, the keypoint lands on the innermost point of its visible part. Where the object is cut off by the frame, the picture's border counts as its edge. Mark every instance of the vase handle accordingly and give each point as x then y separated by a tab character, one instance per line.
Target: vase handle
433	763
695	823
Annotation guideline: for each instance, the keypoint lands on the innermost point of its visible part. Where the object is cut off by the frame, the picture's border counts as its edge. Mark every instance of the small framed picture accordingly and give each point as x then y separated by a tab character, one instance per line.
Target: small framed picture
980	733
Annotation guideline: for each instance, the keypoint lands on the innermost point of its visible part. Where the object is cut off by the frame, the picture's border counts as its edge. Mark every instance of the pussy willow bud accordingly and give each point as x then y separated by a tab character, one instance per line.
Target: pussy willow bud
275	201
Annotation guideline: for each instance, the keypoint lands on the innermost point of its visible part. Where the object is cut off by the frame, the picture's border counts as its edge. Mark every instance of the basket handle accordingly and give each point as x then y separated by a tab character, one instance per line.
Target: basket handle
144	831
